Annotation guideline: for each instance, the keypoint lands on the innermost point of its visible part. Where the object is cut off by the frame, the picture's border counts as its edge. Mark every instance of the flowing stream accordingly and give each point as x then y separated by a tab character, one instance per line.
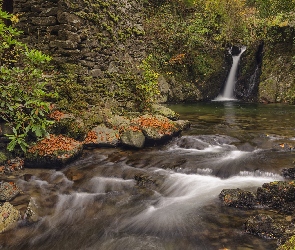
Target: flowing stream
163	197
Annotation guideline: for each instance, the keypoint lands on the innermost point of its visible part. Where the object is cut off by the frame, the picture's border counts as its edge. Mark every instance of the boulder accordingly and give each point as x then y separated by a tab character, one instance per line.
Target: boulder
155	127
8	216
164	111
8	190
278	194
54	151
68	125
182	124
118	122
102	136
237	198
134	139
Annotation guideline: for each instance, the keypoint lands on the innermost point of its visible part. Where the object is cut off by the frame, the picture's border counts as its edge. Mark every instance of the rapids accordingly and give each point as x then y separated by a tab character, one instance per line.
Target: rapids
162	197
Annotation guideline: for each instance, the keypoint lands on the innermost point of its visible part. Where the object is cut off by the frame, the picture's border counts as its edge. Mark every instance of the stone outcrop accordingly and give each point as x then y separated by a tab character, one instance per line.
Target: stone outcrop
99	37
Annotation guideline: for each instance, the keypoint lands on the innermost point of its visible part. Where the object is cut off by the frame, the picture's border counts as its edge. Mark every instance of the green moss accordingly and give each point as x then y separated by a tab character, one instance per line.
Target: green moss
3	158
289	245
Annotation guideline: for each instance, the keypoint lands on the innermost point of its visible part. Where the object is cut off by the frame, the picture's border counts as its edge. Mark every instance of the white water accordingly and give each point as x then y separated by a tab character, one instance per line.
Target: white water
228	92
182	195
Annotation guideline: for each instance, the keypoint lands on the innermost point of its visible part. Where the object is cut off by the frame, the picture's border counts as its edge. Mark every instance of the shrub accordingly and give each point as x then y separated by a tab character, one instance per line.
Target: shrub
23	93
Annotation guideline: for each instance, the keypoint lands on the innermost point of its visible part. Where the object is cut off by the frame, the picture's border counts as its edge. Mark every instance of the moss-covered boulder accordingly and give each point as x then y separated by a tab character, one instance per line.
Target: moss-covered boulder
118	122
8	216
164	111
134	139
8	190
288	245
53	152
102	136
155	127
182	124
68	125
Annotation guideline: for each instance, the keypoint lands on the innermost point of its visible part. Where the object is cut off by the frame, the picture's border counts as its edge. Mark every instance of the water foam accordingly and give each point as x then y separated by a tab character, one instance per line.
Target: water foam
183	194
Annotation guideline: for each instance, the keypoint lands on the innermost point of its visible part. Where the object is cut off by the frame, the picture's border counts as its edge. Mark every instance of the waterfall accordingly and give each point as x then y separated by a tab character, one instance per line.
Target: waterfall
228	92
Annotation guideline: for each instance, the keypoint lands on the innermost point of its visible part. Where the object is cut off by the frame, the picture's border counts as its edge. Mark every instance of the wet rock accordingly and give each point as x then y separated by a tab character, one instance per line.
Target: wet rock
289	173
237	198
182	124
147	181
30	214
279	195
8	216
8	190
264	226
74	175
134	139
191	142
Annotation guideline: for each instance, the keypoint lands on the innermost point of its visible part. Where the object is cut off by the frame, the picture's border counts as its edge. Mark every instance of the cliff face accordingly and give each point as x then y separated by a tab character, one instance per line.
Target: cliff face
277	83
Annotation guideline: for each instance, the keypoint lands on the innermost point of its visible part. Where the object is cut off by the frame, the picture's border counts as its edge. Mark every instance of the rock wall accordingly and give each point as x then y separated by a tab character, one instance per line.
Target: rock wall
99	36
249	72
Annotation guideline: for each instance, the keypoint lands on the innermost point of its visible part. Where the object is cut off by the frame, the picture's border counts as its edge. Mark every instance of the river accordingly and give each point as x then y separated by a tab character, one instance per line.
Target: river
163	197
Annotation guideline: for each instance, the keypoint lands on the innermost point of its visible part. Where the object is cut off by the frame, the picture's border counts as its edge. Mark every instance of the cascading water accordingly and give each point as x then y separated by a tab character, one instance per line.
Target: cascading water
228	92
163	197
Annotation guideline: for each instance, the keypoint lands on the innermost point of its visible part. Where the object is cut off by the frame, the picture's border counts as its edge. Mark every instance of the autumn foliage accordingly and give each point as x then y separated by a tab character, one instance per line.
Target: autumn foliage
56	115
54	144
163	124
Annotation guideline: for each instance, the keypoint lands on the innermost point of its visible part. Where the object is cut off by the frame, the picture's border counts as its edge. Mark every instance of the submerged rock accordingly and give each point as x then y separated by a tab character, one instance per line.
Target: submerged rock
237	198
264	226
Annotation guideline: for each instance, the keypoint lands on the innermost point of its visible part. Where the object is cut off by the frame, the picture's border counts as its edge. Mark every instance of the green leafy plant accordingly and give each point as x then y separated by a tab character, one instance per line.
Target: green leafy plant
23	103
147	89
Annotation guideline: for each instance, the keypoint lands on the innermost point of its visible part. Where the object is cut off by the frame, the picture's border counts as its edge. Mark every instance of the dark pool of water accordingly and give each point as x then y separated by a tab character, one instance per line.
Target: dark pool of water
164	197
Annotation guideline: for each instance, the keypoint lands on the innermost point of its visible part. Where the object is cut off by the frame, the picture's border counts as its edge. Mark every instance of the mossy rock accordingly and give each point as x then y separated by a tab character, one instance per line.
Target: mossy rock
164	111
8	216
3	158
134	139
118	122
69	126
53	152
289	244
102	136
